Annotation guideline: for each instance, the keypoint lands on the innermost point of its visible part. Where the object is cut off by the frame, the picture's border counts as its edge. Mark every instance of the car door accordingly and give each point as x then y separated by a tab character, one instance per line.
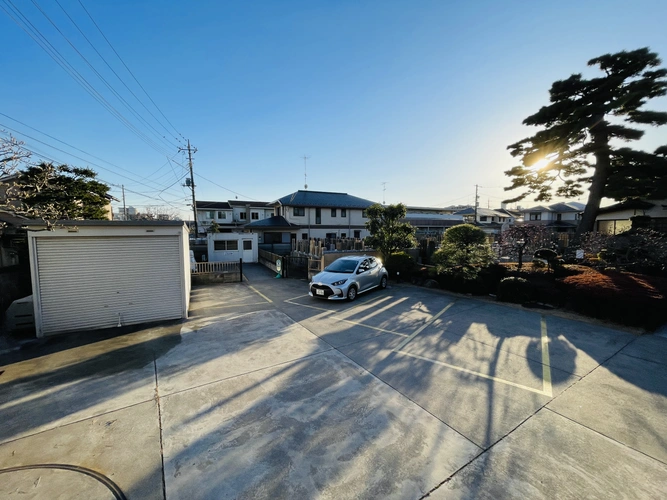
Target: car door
374	272
363	275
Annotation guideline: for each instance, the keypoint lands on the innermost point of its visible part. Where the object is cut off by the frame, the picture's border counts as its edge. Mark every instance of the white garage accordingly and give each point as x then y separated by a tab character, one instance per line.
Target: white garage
88	275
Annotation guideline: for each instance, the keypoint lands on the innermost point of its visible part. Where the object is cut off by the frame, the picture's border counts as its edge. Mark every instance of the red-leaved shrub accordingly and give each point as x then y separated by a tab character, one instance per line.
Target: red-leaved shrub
626	298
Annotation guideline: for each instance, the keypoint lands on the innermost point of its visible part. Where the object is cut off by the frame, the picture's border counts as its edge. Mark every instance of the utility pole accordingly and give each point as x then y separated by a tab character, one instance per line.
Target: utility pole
305	175
384	188
124	207
191	150
476	202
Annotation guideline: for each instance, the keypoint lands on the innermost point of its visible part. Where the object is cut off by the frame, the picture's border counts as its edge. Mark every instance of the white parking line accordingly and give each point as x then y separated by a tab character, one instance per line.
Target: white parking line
423	327
546	365
356	323
260	293
478	374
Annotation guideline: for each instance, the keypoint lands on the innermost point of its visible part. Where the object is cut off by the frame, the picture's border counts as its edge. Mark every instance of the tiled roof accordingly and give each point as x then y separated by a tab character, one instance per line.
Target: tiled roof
323	199
483	212
572	206
256	204
214	204
277	221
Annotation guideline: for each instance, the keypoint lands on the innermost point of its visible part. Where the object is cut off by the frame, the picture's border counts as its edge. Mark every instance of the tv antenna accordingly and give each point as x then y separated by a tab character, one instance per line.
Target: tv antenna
305	174
384	188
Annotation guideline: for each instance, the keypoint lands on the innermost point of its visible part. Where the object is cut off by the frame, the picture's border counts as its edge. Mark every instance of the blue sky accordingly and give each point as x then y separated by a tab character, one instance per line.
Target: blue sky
424	96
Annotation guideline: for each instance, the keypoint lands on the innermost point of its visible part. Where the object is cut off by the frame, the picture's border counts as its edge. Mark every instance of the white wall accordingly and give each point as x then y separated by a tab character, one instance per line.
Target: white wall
233	255
353	217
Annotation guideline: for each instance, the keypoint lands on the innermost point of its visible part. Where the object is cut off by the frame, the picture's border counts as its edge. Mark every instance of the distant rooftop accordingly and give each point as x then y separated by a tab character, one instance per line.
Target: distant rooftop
572	206
303	198
221	205
243	203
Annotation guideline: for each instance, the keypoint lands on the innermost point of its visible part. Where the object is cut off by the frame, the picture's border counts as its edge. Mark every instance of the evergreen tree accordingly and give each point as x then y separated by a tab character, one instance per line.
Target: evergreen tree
582	126
388	233
61	192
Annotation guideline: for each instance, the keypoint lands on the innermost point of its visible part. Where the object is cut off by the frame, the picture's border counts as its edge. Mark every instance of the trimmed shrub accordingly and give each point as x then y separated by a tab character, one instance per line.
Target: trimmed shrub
462	279
400	262
517	290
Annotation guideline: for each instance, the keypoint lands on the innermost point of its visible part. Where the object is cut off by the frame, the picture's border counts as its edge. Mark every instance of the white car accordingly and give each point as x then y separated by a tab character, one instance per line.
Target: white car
347	277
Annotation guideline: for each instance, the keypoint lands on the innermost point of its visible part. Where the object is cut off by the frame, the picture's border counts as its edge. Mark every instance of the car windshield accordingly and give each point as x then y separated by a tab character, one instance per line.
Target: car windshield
342	266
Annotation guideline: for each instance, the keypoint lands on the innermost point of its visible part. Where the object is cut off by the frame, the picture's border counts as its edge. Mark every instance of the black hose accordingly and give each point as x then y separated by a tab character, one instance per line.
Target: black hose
113	487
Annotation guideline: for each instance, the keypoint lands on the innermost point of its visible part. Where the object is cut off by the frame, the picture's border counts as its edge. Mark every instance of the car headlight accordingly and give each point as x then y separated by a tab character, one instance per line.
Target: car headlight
339	282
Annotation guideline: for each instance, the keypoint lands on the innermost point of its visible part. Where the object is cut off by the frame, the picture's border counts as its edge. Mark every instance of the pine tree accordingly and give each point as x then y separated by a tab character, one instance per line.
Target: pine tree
582	126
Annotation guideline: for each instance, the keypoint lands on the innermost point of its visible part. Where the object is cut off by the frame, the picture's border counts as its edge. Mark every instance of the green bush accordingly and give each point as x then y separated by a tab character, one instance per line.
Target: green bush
400	262
517	290
462	279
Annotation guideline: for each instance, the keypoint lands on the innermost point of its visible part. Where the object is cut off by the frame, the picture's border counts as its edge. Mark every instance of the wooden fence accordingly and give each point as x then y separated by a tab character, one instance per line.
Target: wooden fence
229	271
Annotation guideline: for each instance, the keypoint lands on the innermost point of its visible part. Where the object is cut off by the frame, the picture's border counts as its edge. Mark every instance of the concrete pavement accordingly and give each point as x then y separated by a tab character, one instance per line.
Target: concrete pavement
267	393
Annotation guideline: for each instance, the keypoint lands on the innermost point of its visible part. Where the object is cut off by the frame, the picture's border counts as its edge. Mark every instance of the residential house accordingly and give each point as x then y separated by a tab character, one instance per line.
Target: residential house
617	218
231	215
432	224
561	217
491	221
305	215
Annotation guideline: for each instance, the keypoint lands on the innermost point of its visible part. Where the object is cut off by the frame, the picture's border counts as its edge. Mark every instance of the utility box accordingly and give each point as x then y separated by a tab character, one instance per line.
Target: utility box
20	315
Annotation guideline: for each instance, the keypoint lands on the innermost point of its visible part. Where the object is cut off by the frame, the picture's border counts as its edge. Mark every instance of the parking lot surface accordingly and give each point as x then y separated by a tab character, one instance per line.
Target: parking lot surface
404	393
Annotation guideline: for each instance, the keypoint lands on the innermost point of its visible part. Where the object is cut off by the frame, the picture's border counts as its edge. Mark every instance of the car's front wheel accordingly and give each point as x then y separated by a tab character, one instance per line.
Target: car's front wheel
352	293
383	282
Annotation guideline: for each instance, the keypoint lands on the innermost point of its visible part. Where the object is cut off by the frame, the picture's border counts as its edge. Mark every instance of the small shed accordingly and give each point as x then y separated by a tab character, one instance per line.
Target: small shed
230	247
92	274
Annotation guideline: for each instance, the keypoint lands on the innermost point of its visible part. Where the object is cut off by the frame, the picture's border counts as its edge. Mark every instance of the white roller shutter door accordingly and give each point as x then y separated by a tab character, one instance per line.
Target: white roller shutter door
92	282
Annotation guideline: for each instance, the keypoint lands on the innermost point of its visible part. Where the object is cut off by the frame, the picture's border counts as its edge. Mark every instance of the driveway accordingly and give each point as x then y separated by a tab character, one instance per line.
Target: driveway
267	393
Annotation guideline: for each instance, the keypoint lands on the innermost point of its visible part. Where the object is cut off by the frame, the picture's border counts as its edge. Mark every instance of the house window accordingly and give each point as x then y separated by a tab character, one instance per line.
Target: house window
247	244
343	212
483	218
333	212
222	215
225	245
242	216
210	215
363	214
318	216
343	235
254	215
559	216
535	215
331	236
357	233
299	211
304	236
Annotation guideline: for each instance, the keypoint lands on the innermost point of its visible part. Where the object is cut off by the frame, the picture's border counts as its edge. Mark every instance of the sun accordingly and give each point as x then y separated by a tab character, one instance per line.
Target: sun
538	165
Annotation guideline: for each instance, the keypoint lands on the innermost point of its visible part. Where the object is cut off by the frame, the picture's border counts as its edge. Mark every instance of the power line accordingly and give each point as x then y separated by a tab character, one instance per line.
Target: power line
58	140
227	189
24	23
104	80
110	184
72	155
112	70
128	69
